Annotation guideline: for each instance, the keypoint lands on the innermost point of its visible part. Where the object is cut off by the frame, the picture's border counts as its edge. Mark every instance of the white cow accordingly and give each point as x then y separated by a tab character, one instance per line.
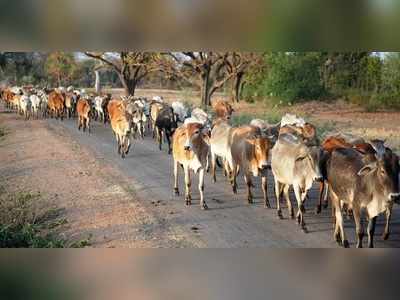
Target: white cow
25	106
180	111
35	104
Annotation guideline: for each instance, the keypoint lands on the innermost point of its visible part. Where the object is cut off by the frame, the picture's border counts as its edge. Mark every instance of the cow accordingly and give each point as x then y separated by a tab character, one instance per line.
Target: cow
307	132
99	107
180	111
294	164
155	108
25	106
372	185
84	114
199	116
35	104
250	156
138	118
270	131
190	150
121	125
55	104
71	100
222	109
165	125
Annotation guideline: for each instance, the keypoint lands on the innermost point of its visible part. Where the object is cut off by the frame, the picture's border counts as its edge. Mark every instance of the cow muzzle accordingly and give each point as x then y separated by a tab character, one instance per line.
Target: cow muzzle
187	148
319	179
395	197
265	167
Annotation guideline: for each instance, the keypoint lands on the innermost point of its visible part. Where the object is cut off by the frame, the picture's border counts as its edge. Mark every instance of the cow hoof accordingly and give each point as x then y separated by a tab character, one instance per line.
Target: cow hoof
176	191
204	206
280	216
250	201
304	228
325	205
318	210
385	236
346	244
267	205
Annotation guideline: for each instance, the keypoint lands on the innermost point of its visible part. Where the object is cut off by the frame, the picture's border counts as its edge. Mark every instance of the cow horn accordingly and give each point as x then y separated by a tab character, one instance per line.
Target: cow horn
379	147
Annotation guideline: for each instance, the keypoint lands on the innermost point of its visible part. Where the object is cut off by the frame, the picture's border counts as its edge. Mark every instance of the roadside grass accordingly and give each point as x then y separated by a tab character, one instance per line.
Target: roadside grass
3	132
24	224
272	116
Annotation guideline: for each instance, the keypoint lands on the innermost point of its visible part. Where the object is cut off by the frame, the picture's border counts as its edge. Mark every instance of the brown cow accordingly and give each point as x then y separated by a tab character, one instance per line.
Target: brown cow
307	132
250	156
190	150
120	124
223	110
55	104
83	110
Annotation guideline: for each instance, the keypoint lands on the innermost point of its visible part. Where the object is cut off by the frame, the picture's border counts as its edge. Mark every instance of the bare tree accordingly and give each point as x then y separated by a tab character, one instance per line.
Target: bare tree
131	67
204	70
237	65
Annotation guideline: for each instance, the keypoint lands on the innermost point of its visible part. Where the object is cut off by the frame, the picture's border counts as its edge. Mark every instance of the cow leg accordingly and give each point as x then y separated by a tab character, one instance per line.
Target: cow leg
118	142
321	195
88	124
371	231
176	167
339	230
79	123
247	179
127	144
359	227
264	186
288	202
201	189
167	135
159	136
300	213
213	166
388	215
278	192
233	177
188	196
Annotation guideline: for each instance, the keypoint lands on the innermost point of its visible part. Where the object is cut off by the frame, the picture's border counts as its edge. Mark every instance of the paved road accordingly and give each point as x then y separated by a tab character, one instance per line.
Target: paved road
230	221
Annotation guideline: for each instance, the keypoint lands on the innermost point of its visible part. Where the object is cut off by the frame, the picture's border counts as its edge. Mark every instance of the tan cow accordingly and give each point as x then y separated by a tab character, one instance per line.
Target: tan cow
223	110
83	110
250	156
55	104
155	108
120	124
190	150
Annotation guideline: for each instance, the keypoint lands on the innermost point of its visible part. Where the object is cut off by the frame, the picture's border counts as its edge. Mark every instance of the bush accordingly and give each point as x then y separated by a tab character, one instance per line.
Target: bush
290	77
24	225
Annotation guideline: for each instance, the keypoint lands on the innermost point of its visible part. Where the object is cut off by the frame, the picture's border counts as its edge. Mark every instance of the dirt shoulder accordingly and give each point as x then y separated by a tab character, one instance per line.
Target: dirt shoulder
94	198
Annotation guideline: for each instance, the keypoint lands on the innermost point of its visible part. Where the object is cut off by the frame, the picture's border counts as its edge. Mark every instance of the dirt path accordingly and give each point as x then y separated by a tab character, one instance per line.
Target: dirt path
129	203
93	196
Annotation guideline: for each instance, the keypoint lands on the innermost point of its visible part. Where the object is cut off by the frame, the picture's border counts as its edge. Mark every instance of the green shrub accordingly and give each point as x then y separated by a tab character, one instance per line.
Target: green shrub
24	225
290	77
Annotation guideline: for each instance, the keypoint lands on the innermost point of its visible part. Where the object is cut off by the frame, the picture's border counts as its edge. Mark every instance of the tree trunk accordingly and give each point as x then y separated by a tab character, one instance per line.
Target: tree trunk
97	84
129	85
236	87
206	91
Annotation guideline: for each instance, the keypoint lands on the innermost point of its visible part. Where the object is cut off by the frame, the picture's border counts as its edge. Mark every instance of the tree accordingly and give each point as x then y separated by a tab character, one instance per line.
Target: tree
60	66
131	67
237	65
205	70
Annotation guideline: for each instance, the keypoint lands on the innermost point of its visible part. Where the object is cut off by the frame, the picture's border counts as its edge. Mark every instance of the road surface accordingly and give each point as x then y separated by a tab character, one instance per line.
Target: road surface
230	221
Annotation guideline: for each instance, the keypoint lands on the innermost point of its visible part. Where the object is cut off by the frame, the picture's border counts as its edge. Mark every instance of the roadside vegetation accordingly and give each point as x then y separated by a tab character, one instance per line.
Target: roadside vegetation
25	224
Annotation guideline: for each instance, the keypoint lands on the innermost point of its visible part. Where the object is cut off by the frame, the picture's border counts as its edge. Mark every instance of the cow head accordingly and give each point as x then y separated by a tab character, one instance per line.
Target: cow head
260	149
223	110
192	133
311	156
384	175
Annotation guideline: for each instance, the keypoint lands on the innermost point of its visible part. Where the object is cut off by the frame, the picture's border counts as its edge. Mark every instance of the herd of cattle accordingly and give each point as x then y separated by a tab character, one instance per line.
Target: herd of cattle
355	173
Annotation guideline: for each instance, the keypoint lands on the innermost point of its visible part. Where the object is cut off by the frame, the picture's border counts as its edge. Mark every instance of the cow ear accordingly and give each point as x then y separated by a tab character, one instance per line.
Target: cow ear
250	141
301	158
367	169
